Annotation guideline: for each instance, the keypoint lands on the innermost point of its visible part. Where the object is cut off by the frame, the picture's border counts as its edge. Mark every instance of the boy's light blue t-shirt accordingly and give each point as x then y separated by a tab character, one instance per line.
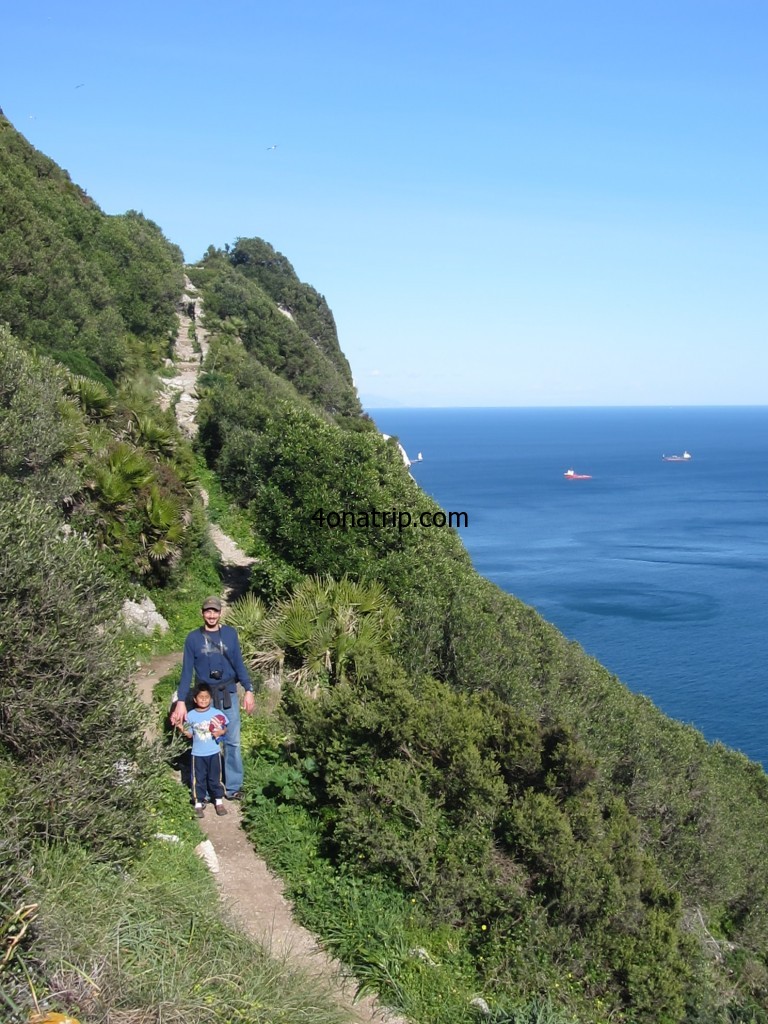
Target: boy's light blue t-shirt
203	743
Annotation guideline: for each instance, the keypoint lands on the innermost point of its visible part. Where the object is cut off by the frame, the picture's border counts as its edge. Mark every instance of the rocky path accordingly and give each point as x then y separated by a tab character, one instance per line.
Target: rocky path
251	895
190	349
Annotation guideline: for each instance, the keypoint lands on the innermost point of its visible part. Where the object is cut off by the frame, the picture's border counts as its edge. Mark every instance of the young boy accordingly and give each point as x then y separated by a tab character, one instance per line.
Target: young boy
205	726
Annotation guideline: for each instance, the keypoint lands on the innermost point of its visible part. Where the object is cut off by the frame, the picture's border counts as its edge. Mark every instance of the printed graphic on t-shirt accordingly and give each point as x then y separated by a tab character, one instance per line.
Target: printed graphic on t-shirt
202	730
213	646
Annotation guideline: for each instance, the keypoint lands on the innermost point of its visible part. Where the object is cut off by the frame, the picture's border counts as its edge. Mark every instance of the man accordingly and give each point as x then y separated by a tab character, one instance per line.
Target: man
212	655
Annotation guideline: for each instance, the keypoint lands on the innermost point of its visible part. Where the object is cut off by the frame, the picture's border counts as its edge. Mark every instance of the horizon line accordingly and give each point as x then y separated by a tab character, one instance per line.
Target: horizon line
666	405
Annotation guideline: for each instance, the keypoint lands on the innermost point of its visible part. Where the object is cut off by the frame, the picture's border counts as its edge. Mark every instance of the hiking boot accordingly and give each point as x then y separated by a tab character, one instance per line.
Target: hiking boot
200	810
220	809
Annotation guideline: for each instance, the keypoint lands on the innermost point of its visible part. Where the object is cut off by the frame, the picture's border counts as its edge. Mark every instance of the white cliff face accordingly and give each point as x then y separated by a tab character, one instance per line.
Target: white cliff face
403	452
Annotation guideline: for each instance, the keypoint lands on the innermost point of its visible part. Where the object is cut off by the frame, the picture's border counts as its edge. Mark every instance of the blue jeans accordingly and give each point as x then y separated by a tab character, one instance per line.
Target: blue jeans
233	758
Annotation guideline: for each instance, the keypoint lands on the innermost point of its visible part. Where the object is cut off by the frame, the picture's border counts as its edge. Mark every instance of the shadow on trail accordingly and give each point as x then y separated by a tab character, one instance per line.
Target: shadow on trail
235	580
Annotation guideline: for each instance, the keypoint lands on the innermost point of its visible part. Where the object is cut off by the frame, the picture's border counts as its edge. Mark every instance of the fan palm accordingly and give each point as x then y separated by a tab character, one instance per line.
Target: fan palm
152	435
246	615
164	527
123	472
322	630
91	395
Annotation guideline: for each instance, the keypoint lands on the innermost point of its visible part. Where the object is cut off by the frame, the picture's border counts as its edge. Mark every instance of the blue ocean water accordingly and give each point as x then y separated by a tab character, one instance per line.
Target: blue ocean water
658	569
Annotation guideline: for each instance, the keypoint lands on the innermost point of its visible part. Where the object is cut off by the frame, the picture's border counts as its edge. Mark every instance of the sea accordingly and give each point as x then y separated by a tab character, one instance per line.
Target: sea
658	569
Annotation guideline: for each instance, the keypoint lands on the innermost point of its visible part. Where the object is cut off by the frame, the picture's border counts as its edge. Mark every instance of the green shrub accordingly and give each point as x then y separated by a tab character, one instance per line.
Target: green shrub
39	429
72	727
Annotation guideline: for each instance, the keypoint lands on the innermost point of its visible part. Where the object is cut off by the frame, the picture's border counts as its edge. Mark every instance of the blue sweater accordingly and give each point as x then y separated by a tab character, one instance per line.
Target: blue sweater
217	651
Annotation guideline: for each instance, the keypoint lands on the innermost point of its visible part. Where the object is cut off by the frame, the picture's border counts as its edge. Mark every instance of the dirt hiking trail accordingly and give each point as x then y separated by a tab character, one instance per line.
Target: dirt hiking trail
253	898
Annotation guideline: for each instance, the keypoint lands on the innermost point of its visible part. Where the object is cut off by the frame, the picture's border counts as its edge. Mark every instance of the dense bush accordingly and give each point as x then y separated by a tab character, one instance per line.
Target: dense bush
39	429
488	817
294	469
259	262
145	273
74	760
283	324
96	292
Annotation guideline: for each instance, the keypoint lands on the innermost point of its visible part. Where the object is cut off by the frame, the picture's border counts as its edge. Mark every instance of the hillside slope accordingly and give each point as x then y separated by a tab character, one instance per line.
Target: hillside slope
458	751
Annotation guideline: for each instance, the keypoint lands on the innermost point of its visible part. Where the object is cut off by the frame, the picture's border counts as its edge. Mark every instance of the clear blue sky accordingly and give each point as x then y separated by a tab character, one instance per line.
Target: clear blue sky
544	202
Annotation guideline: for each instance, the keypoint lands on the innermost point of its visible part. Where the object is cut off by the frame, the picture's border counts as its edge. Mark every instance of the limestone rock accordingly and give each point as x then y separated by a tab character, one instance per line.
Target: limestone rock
144	617
207	852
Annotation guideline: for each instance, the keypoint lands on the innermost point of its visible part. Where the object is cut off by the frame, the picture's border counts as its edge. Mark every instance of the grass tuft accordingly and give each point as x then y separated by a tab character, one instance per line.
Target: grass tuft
149	945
